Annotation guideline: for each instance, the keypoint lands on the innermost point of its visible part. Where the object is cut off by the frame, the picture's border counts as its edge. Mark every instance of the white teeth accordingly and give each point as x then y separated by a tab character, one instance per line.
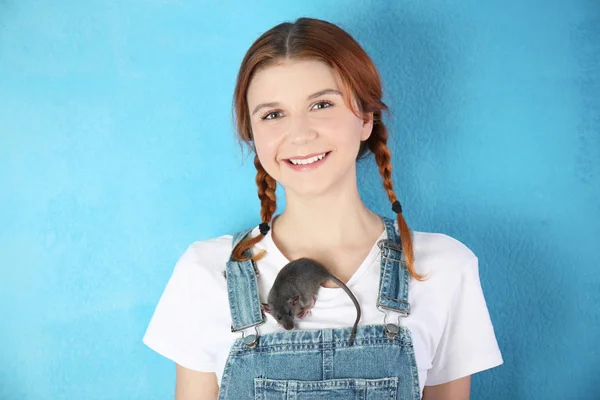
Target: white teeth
308	160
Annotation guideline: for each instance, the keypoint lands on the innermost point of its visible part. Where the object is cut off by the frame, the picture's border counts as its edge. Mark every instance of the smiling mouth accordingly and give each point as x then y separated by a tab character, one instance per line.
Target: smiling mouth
308	161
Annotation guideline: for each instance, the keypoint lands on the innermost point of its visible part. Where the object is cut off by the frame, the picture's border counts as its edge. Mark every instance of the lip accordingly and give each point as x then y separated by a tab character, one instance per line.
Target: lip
307	167
305	157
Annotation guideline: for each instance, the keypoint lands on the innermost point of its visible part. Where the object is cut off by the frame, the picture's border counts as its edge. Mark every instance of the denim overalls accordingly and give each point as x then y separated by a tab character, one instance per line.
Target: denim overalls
321	364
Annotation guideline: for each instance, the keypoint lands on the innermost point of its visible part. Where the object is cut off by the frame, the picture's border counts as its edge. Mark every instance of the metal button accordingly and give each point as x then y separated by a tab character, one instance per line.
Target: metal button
391	331
251	341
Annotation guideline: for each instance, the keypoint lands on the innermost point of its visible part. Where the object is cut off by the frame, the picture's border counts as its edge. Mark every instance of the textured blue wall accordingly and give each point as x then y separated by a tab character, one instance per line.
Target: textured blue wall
117	151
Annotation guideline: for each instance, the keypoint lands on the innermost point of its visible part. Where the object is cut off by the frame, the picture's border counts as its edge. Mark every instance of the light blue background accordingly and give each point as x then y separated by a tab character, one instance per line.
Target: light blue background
117	151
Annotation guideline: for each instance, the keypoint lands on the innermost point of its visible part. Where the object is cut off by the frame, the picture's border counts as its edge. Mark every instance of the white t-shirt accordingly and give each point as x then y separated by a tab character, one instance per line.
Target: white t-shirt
449	321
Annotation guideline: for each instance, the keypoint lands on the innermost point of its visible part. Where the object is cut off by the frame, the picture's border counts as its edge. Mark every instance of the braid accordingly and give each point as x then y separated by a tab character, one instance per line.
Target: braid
378	145
268	203
266	192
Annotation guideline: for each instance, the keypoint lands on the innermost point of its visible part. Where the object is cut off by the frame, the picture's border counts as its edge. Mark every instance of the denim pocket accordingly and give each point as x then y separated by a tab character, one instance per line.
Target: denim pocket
335	389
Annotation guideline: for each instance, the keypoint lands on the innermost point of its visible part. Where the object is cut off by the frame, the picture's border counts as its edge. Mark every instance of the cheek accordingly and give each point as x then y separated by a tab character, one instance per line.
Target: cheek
342	126
267	143
346	135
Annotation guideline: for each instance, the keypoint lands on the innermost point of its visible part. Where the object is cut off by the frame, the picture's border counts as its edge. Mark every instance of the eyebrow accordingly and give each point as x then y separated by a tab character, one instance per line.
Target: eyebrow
312	96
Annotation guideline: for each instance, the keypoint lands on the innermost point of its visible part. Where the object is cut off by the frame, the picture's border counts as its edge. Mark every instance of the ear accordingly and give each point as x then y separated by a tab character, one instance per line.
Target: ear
294	300
265	307
367	127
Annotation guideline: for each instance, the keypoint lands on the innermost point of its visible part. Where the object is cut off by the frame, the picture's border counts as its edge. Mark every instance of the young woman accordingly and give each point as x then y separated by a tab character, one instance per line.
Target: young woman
308	104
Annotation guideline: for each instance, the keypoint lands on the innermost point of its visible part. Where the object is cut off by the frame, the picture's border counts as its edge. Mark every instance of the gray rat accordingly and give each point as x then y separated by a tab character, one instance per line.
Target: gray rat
296	287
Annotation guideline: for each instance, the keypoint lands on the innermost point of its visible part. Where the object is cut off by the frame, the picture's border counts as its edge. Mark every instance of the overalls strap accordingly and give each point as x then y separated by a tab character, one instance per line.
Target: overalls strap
393	285
242	289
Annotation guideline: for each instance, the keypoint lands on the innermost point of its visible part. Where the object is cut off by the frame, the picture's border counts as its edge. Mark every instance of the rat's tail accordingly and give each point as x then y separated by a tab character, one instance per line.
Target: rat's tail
353	298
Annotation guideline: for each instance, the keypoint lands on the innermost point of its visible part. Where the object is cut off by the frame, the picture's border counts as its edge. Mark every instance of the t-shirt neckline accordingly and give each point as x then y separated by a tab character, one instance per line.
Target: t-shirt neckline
278	258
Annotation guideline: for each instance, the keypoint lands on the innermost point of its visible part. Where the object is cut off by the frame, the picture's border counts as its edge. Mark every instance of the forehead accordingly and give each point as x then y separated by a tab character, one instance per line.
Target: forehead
292	80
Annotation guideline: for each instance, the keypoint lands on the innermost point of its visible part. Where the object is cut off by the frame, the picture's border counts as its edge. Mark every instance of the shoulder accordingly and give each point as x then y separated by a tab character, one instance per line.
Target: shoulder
210	253
438	253
198	272
213	253
445	262
204	261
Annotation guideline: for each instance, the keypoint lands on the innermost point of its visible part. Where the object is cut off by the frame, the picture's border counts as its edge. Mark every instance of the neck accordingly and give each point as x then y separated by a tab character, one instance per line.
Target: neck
331	220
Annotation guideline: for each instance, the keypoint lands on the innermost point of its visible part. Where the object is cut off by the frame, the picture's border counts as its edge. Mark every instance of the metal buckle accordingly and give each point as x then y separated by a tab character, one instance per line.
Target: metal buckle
400	313
385	246
389	244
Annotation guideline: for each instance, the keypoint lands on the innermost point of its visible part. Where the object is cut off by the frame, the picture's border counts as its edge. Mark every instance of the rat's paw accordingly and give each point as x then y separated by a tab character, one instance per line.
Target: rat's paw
304	312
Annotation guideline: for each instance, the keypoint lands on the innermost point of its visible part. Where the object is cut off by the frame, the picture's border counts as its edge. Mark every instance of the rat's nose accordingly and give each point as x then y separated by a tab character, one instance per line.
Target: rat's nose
288	327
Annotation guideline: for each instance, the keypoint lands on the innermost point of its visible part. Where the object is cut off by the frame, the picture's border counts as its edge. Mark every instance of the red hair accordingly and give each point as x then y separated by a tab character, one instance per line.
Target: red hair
314	39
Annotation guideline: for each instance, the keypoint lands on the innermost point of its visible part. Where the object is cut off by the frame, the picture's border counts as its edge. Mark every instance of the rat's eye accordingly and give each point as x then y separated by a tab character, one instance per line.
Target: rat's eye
290	313
279	317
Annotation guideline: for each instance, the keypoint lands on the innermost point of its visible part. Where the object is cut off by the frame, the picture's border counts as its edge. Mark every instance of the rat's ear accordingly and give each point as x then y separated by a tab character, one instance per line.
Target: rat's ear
294	300
265	307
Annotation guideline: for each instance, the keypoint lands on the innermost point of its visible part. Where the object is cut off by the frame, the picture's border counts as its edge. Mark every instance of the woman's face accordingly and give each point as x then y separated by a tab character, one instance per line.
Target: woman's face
305	136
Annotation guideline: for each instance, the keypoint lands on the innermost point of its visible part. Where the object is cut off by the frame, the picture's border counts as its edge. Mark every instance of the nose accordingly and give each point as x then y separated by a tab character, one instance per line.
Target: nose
301	130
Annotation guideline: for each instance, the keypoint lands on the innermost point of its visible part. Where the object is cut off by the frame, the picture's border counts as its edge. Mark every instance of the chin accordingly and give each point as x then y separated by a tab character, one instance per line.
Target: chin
317	184
316	189
310	186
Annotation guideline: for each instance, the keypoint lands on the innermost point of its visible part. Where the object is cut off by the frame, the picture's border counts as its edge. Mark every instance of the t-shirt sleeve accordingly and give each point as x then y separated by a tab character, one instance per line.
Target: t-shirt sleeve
468	344
180	326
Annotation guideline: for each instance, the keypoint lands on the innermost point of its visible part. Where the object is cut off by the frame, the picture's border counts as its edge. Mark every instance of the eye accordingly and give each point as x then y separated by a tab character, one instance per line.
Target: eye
324	102
264	116
279	317
290	313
